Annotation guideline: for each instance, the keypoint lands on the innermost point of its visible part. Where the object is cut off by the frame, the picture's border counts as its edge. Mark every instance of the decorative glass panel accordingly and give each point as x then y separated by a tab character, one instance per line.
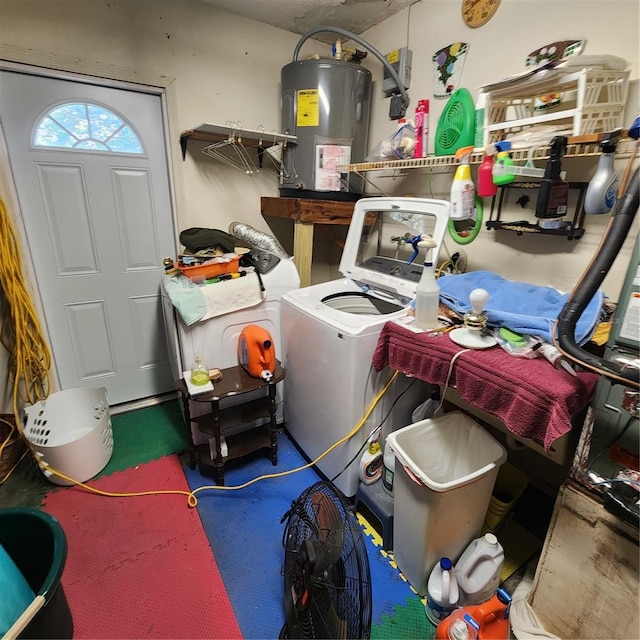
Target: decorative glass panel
86	127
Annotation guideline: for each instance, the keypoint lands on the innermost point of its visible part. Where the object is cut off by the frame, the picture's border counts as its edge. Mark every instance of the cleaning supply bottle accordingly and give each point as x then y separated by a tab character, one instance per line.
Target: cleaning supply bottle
481	104
486	185
371	463
427	291
421	150
199	373
442	592
553	193
601	193
388	468
463	191
500	172
478	569
486	621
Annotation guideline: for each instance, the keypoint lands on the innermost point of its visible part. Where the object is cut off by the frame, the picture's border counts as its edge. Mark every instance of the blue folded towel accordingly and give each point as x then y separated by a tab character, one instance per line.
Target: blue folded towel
519	306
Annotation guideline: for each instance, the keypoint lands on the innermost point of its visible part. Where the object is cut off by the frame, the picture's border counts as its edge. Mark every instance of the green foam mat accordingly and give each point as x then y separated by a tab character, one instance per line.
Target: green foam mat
146	434
408	621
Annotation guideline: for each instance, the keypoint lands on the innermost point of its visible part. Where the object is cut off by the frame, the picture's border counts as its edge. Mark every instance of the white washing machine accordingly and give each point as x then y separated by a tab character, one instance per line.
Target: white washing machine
330	331
217	338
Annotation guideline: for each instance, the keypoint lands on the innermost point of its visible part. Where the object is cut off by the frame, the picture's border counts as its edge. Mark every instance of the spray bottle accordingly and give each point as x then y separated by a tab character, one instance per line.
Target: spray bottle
427	291
553	194
602	190
486	186
501	173
463	191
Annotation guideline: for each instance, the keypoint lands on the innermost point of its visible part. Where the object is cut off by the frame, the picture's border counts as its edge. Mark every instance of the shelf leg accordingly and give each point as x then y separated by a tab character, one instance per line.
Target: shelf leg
303	250
274	434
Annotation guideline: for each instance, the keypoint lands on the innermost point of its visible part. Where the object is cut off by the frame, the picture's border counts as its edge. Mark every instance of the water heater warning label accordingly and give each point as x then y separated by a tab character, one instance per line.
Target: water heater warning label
307	108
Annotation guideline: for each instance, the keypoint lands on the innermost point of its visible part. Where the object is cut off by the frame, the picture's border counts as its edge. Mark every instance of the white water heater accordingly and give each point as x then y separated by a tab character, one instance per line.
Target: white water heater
326	104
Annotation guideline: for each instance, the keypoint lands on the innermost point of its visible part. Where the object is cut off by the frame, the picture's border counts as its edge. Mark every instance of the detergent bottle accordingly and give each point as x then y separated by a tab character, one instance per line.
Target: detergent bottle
601	193
486	621
486	186
427	291
371	463
463	191
478	569
442	592
256	353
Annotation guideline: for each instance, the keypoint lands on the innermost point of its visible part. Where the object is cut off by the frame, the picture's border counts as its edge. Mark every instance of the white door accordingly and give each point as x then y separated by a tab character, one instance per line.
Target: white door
90	169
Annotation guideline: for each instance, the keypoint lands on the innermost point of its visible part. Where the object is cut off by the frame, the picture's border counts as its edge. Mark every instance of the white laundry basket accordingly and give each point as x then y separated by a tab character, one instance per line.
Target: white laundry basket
71	433
444	475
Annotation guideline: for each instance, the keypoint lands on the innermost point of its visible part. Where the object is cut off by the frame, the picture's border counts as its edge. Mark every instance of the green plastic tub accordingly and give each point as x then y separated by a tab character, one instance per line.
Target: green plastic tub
37	544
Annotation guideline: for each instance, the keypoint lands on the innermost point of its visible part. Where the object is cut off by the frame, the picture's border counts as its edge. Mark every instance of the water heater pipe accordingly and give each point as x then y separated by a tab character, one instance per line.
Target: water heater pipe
363	43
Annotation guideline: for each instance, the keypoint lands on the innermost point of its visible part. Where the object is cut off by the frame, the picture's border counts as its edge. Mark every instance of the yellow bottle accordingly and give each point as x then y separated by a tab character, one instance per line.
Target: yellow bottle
463	191
199	373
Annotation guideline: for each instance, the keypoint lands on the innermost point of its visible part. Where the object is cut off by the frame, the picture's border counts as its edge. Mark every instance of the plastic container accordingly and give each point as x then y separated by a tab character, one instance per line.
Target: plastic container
442	592
510	485
227	263
463	191
421	150
486	621
71	432
371	464
486	186
388	467
36	543
427	292
478	570
445	471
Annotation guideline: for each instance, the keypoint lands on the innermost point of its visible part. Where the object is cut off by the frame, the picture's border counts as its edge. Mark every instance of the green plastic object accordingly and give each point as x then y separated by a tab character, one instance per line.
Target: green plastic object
37	544
470	233
456	125
513	338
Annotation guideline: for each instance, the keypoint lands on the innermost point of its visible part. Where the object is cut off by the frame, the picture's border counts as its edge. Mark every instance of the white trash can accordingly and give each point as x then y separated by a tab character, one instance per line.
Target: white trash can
445	471
71	432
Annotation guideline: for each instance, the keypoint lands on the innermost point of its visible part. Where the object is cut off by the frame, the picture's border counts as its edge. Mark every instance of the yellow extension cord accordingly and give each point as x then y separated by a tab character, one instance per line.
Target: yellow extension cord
30	363
20	333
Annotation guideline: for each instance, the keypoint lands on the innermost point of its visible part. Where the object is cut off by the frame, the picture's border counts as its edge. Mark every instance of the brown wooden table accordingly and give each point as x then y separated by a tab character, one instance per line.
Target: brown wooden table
235	382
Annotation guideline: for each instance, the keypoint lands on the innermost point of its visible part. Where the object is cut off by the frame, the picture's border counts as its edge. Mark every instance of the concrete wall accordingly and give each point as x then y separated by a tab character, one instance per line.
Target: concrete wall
218	67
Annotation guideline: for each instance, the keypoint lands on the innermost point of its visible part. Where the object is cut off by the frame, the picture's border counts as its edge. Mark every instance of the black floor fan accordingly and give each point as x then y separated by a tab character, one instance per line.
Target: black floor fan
327	582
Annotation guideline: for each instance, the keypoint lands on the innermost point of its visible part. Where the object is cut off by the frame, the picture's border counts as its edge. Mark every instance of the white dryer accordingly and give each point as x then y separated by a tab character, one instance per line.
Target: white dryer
330	330
216	339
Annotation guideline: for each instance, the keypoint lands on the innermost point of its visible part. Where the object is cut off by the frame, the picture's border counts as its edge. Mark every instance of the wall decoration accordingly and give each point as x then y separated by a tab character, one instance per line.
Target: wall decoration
447	68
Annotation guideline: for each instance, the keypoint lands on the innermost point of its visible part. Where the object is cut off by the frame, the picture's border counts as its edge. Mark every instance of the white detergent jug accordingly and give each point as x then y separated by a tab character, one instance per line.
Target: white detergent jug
478	570
442	592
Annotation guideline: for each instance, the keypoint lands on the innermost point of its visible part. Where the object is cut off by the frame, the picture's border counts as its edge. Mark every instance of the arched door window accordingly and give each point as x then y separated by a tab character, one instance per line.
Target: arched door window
85	127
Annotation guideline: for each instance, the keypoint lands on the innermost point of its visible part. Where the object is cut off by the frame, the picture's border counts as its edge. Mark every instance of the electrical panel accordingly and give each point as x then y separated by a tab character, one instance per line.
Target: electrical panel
400	61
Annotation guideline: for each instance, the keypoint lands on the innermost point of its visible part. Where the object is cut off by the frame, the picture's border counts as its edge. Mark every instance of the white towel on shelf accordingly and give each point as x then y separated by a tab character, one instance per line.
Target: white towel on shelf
227	296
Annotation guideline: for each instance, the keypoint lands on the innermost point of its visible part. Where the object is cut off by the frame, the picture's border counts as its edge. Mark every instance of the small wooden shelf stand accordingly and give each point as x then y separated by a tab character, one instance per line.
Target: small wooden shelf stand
235	382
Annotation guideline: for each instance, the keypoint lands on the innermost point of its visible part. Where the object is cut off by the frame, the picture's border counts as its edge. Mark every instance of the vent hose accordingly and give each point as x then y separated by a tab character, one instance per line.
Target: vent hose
564	334
258	239
362	43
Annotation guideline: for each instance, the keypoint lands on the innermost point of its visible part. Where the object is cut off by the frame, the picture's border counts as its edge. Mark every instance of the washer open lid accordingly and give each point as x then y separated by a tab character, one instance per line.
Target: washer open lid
378	252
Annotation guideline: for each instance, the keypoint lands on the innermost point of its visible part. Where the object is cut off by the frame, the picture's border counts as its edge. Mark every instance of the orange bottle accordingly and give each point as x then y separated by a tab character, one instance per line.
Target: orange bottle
486	621
256	352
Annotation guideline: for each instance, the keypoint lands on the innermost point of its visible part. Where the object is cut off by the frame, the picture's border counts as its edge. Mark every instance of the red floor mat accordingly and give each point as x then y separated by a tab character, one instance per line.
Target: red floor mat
140	567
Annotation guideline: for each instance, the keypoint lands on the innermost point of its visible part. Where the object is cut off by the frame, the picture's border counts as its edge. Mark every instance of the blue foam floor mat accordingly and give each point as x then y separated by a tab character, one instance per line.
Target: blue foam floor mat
245	533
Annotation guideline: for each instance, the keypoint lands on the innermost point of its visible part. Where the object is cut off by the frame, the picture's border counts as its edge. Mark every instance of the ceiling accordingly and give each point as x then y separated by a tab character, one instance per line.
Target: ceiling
301	16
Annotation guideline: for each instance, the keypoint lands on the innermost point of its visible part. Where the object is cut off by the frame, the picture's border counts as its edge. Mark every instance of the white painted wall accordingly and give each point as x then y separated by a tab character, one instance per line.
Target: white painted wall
498	50
220	67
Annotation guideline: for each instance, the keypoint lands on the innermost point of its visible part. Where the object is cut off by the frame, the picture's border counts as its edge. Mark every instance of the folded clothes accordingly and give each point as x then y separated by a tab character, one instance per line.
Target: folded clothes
522	307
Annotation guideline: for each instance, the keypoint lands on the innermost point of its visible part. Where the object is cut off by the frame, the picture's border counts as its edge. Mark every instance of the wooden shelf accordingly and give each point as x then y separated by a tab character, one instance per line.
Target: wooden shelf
234	133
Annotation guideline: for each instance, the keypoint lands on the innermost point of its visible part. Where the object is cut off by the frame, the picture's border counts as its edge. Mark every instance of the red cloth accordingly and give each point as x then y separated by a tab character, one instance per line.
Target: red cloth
531	397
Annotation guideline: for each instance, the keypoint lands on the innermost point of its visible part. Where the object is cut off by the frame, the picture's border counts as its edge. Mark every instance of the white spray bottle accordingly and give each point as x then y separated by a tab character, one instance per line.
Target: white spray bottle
602	190
427	291
463	191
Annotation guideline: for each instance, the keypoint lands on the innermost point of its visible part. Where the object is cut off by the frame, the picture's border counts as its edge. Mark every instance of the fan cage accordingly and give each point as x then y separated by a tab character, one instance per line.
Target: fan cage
340	602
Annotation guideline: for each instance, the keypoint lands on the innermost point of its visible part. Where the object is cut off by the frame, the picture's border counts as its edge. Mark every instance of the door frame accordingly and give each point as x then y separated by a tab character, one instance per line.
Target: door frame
162	86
